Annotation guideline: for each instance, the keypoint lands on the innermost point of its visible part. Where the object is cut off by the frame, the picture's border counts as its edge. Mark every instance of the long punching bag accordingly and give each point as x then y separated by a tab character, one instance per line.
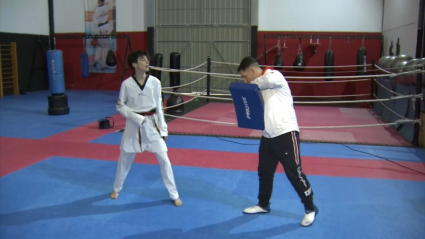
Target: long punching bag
84	60
362	61
278	61
175	81
329	61
55	72
299	60
397	49
174	64
156	61
58	101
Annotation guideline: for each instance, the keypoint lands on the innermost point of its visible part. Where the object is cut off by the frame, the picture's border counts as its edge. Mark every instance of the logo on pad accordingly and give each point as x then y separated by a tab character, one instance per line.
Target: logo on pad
245	102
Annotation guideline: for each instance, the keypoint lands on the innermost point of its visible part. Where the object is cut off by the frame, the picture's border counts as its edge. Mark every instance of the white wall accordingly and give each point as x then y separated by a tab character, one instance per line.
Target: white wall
69	16
321	15
25	17
401	21
132	15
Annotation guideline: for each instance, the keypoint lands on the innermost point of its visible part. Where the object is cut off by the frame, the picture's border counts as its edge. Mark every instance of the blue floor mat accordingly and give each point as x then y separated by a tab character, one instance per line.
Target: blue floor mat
69	198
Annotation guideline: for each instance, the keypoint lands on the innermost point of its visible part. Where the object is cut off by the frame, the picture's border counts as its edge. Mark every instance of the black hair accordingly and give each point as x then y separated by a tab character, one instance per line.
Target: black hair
247	62
134	56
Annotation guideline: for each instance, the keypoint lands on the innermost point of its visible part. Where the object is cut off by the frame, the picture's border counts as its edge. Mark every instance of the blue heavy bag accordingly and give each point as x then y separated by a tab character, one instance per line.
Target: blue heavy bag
84	65
249	105
55	72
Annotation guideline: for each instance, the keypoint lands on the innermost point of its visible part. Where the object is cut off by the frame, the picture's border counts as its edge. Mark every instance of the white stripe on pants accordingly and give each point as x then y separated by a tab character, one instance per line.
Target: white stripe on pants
126	160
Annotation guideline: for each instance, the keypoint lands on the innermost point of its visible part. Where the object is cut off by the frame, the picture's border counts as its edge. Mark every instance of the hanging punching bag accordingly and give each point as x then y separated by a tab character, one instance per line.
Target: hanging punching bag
397	49
84	60
174	99
111	60
362	61
278	61
84	65
329	61
174	64
157	62
299	60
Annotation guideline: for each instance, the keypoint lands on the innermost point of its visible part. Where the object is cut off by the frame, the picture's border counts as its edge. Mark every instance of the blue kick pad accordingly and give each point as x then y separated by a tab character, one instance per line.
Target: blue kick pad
249	105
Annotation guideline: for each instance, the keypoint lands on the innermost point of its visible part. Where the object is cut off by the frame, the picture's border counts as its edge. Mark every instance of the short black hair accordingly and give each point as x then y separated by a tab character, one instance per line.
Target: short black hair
247	62
134	56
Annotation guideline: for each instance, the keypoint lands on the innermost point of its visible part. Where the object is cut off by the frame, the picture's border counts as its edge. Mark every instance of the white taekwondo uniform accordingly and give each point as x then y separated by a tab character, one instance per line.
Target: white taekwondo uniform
143	132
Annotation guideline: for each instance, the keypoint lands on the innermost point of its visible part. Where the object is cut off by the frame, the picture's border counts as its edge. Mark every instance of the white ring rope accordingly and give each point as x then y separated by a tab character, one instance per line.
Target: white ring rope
392	111
194	72
309	102
403	121
197	95
387	88
326	82
185	70
194	98
329	96
318	67
307	96
172	87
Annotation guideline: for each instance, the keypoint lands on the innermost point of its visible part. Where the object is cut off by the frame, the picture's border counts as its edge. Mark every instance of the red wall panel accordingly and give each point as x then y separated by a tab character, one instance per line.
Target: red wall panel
72	49
345	53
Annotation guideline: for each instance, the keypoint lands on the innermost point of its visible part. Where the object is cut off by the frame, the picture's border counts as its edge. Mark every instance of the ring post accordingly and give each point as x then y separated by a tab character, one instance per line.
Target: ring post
371	83
208	77
264	49
417	107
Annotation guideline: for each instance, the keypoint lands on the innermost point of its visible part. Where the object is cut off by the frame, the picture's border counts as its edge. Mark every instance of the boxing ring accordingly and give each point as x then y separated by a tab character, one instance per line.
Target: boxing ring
366	118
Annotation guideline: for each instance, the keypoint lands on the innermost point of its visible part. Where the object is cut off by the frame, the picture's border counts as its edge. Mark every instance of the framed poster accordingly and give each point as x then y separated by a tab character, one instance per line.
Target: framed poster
100	19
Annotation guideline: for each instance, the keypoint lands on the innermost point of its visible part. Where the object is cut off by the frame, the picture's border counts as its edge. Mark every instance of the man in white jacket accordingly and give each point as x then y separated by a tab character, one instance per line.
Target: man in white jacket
140	102
280	140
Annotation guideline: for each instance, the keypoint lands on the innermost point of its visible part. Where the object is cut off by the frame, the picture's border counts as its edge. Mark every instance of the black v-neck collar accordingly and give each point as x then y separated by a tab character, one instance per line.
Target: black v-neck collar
141	86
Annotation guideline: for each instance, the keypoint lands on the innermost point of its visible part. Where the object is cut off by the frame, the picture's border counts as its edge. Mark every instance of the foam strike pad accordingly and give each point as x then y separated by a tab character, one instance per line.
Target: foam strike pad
249	105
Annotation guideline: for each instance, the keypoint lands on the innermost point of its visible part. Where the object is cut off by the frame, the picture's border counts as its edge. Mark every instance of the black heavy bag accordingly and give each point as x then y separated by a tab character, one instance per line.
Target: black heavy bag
84	58
111	60
329	61
175	64
397	49
278	61
174	99
299	60
362	61
156	61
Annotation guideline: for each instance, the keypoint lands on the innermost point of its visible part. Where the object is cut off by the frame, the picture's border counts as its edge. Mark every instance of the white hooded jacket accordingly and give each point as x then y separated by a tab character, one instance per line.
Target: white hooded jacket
279	112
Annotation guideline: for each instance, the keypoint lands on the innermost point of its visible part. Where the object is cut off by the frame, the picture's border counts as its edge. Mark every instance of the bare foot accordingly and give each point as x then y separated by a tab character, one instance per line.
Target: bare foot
114	195
178	202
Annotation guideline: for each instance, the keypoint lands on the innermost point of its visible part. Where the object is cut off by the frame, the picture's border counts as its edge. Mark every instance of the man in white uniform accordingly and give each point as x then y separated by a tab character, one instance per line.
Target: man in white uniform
140	102
100	26
280	140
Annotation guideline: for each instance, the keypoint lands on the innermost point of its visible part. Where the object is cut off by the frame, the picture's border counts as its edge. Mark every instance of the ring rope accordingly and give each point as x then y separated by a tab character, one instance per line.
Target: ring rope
307	96
326	82
197	95
396	93
388	108
288	77
190	100
188	69
228	63
403	121
310	102
172	87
